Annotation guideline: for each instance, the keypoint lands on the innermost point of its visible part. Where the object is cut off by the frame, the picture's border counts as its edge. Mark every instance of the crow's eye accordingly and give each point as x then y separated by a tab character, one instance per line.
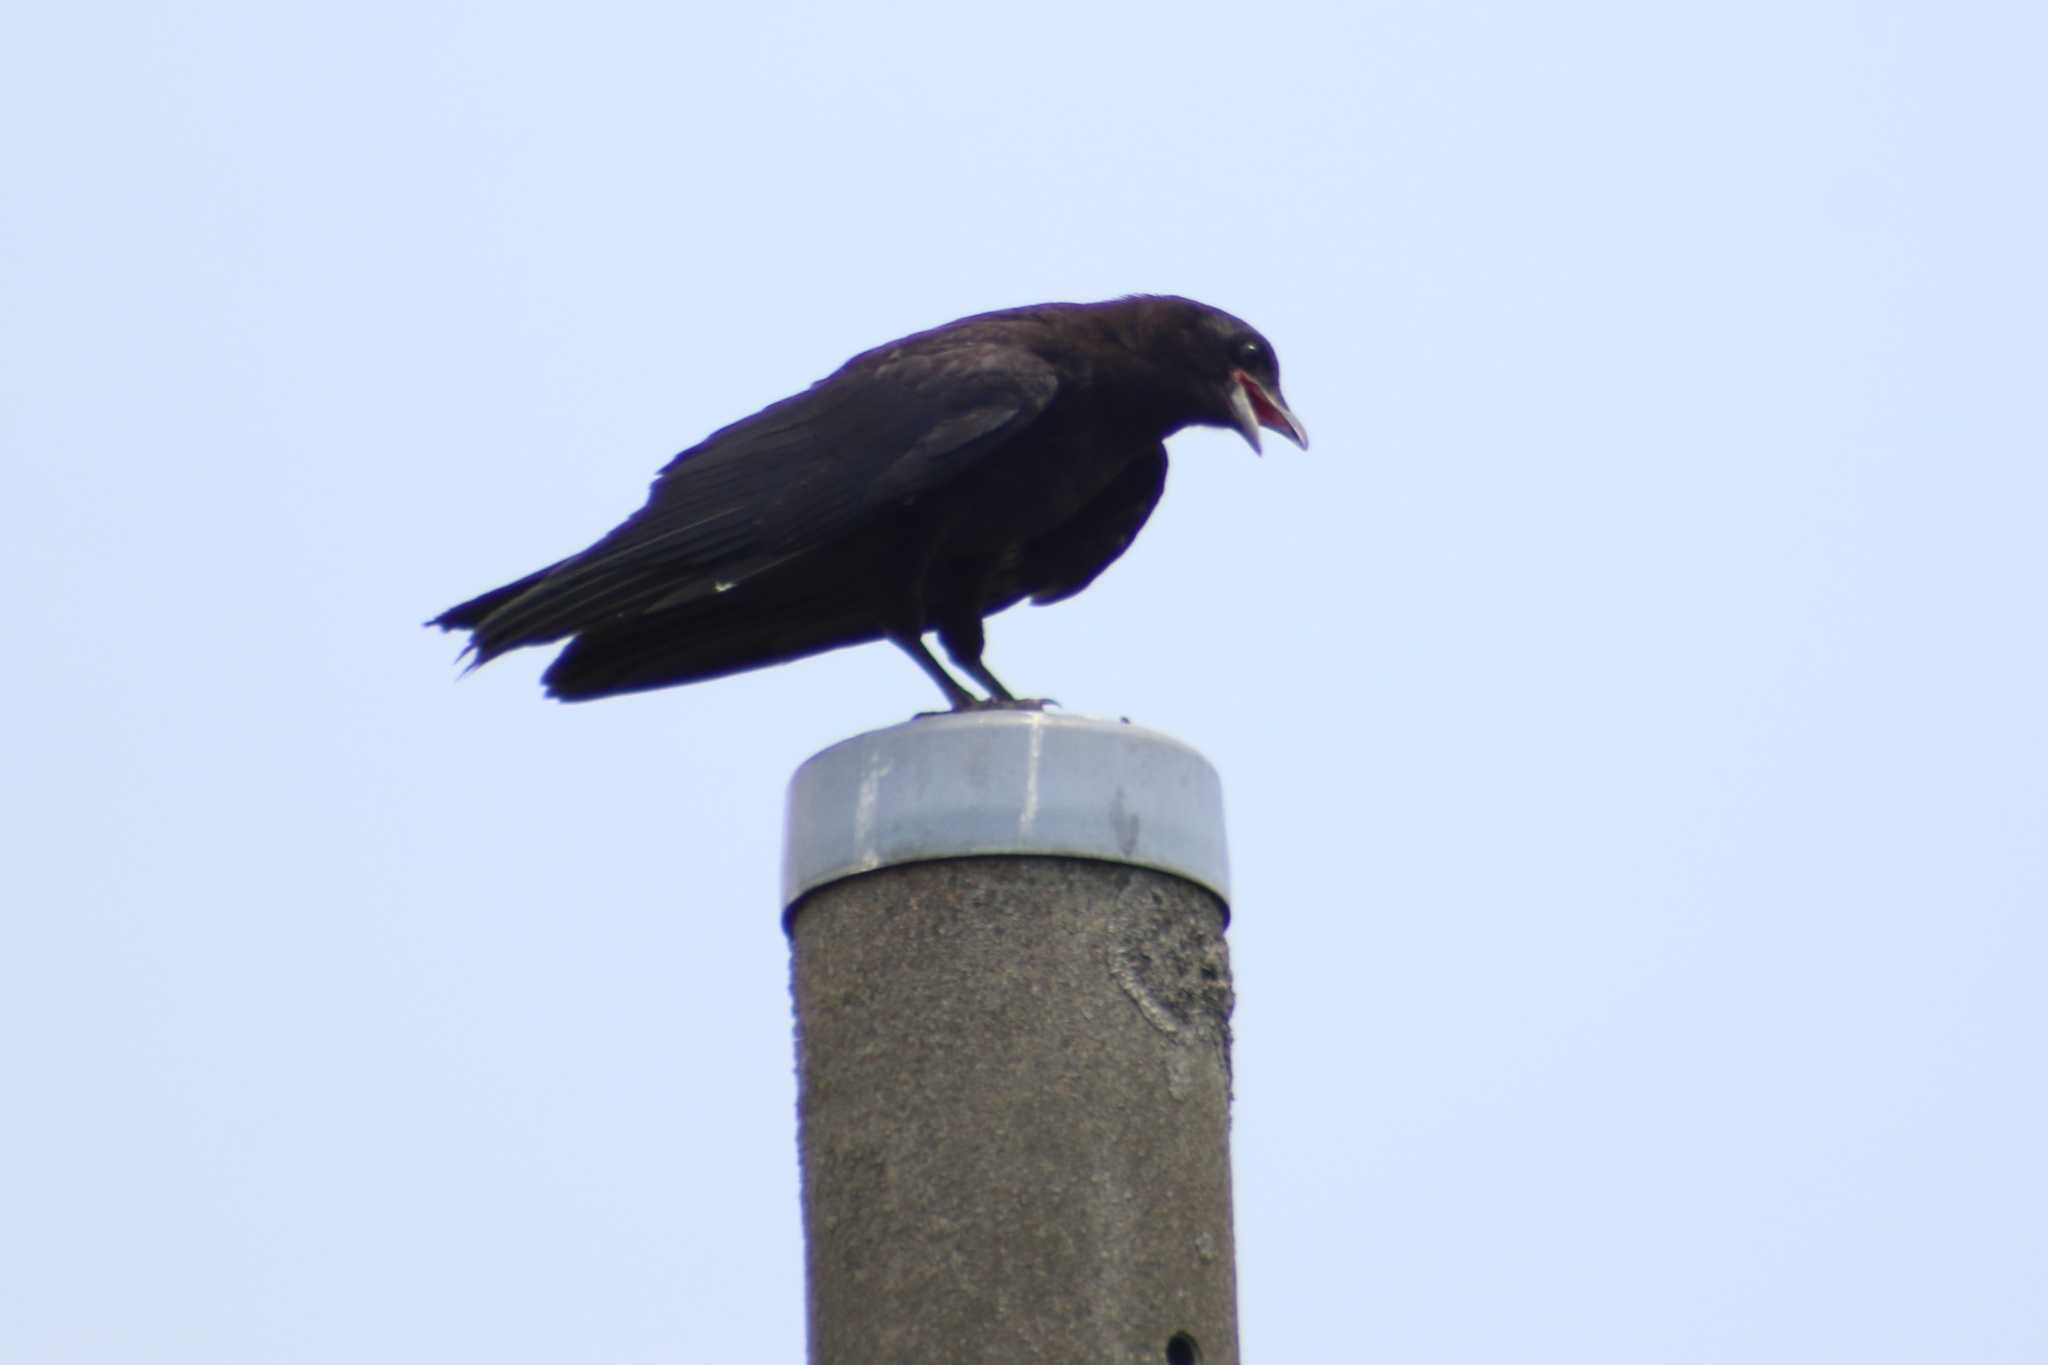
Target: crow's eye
1249	353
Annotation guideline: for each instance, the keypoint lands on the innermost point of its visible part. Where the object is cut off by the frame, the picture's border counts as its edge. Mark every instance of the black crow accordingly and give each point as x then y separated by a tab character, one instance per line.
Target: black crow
925	485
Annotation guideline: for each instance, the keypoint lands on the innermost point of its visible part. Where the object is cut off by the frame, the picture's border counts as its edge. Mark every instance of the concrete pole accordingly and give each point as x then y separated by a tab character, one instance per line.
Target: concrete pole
1013	1042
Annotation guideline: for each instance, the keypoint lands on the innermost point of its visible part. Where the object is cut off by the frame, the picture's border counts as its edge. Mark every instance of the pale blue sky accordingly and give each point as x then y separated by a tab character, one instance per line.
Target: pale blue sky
1631	711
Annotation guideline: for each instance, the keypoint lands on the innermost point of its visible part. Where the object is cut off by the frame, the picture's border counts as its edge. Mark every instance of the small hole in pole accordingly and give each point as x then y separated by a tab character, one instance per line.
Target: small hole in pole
1181	1350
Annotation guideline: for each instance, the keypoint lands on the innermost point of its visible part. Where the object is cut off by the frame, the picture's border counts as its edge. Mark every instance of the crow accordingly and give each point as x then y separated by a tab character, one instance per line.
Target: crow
924	485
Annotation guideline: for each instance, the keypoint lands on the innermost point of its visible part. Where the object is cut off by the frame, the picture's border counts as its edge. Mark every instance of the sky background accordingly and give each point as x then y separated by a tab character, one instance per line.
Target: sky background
1633	711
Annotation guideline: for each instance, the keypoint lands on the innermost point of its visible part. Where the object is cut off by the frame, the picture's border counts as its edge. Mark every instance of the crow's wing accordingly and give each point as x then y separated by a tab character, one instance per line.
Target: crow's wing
795	477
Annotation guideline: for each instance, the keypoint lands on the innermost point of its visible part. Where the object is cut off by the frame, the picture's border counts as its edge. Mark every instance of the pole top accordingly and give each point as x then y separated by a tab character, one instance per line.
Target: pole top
970	783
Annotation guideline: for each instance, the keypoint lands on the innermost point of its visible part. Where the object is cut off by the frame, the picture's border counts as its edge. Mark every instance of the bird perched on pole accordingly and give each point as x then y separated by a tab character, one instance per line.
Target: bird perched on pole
923	486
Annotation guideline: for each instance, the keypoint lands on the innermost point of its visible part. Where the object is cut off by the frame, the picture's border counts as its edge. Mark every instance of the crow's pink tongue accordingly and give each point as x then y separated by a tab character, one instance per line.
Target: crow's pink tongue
1263	406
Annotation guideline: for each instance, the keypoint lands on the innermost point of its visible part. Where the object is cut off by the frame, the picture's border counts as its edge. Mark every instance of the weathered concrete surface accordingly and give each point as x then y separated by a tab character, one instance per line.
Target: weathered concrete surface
1015	1093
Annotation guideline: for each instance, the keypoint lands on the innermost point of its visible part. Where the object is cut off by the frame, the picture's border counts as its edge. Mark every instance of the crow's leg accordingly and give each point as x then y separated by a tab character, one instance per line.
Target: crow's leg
896	576
962	636
957	697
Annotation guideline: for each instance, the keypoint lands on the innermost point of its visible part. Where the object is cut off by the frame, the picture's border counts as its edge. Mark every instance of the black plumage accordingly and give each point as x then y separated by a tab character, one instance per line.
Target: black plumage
923	486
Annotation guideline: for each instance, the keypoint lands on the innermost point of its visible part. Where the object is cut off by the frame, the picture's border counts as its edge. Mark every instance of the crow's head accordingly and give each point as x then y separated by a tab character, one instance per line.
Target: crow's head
1225	371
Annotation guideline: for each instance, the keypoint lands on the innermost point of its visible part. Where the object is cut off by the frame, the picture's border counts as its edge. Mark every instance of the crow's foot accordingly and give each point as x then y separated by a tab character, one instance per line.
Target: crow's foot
993	704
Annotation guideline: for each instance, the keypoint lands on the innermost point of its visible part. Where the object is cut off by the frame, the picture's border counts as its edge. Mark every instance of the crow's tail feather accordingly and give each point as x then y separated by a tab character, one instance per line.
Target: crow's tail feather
472	615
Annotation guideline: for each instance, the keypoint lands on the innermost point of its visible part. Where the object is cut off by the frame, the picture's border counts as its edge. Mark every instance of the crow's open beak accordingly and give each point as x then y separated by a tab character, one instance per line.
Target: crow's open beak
1253	405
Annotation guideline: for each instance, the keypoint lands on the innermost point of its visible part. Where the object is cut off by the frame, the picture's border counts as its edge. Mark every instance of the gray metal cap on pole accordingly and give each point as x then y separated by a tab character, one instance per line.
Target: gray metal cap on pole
1013	1002
1009	782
